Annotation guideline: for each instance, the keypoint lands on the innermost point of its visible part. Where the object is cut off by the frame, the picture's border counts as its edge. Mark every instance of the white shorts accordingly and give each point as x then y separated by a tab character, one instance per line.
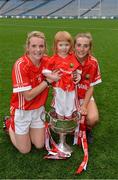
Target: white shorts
64	102
25	119
91	99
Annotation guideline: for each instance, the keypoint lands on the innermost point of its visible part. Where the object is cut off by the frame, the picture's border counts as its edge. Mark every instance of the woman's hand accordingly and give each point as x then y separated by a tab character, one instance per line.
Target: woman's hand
55	76
76	77
83	110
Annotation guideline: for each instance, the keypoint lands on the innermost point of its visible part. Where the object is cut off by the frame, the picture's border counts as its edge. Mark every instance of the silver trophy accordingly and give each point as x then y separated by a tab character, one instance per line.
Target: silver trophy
63	127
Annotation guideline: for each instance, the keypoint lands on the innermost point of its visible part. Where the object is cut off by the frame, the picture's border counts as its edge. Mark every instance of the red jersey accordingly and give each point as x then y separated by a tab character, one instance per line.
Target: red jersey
67	66
25	76
90	75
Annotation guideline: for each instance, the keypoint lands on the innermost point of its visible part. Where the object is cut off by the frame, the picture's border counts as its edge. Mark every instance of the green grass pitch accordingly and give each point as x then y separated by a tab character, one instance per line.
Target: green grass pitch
103	154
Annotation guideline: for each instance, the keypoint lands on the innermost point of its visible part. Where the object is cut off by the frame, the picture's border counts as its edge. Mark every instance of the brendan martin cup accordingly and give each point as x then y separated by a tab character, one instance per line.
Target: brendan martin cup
63	127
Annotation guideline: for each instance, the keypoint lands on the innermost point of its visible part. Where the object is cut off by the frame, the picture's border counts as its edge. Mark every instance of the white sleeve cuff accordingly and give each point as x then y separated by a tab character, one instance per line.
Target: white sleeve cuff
46	71
97	82
21	89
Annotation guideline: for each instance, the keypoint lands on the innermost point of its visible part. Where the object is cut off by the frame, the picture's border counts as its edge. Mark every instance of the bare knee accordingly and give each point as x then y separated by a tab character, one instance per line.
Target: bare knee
93	114
37	137
92	120
24	150
40	146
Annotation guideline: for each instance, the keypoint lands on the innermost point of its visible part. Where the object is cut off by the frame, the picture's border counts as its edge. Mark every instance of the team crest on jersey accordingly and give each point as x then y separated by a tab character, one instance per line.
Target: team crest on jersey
71	65
87	76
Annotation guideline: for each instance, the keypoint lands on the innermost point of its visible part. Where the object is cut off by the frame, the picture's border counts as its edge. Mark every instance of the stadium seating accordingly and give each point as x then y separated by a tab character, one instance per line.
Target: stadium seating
59	8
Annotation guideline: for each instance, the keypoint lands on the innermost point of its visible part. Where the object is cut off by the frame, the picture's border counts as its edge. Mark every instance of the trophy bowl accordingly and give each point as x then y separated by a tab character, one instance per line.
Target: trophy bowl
63	127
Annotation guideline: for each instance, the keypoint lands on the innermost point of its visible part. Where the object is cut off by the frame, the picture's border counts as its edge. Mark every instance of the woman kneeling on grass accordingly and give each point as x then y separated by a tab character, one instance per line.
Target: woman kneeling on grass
89	78
30	91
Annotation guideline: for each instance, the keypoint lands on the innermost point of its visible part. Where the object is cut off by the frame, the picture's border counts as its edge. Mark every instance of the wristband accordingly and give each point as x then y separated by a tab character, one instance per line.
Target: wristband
48	83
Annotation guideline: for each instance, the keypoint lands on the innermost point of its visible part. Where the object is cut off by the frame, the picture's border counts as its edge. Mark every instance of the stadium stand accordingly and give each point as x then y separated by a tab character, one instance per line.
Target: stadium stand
59	8
8	5
15	7
2	3
47	8
75	8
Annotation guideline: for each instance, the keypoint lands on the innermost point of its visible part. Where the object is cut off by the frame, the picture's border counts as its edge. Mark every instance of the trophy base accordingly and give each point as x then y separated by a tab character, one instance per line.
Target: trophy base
65	148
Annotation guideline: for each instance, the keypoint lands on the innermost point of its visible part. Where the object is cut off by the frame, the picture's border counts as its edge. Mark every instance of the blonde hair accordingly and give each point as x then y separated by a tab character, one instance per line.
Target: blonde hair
62	36
87	35
34	34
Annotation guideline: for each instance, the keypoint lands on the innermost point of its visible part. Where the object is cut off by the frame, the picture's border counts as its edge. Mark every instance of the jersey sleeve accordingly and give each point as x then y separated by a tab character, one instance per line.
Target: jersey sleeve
46	68
20	77
95	74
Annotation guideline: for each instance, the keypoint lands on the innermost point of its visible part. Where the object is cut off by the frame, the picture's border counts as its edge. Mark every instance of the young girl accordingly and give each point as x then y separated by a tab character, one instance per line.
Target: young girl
64	61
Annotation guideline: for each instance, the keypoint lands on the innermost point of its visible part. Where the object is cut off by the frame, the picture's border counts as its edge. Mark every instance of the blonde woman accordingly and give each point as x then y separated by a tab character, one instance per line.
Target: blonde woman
90	77
30	91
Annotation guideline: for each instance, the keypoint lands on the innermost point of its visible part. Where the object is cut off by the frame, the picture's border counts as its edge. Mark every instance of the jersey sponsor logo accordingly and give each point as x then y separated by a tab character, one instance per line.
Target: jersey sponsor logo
82	86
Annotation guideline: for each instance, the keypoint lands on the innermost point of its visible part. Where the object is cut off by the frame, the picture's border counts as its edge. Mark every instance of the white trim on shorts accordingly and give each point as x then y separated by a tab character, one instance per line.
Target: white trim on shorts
91	99
26	119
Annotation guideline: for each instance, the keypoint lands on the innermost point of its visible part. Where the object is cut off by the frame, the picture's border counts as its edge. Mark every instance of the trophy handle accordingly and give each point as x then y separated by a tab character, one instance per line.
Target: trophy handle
79	115
45	116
